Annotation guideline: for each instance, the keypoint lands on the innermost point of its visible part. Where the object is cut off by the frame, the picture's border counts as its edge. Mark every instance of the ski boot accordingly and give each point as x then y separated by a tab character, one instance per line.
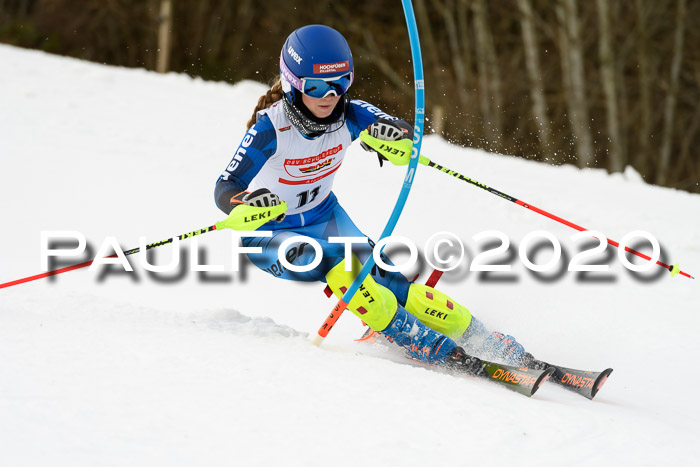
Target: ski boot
502	347
529	361
419	340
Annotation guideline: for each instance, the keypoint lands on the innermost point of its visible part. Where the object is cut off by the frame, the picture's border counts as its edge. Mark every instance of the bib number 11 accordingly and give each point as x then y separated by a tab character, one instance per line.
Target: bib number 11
307	196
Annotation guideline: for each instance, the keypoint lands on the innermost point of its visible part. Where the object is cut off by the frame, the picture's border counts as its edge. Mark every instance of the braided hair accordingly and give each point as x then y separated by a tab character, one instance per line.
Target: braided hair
270	97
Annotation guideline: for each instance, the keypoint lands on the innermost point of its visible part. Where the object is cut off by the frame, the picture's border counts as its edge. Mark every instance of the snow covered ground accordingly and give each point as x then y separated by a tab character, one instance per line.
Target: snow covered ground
177	369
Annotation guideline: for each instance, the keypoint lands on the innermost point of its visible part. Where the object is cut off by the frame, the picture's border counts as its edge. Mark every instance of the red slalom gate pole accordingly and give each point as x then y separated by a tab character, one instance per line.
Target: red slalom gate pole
674	269
330	321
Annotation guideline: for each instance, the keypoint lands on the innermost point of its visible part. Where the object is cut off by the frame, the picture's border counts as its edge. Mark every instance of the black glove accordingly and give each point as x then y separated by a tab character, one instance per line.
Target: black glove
388	130
262	198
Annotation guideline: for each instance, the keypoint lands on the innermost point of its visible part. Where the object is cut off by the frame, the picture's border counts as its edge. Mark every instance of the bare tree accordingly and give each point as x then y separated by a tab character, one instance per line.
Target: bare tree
489	76
534	73
164	27
685	164
616	159
448	12
221	17
463	28
434	67
575	80
243	20
671	95
645	80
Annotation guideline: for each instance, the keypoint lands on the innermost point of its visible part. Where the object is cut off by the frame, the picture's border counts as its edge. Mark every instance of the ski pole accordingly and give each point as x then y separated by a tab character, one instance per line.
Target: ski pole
88	263
243	218
398	152
403	148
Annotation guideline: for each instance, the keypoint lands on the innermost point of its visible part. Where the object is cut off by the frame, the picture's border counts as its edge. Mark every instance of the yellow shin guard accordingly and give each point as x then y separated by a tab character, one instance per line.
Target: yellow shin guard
373	303
437	311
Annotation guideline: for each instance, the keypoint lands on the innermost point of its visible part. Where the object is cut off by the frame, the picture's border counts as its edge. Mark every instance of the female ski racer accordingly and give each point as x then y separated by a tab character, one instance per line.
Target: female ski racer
295	143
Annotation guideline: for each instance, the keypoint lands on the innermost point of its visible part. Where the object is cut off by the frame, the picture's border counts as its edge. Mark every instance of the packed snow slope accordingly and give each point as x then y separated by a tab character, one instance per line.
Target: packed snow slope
216	368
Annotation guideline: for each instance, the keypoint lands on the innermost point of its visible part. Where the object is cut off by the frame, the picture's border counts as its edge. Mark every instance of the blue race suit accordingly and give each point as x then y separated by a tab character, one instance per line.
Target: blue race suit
275	155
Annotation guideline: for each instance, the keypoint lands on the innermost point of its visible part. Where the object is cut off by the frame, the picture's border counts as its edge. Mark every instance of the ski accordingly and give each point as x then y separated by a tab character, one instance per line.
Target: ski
585	383
522	380
527	380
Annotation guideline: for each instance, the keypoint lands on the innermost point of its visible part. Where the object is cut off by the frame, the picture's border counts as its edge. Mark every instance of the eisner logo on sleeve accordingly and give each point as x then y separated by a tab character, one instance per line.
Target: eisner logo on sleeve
331	67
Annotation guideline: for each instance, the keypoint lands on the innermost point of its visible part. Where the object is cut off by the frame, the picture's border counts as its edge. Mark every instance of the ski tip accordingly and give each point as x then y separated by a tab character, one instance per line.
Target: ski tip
541	379
600	380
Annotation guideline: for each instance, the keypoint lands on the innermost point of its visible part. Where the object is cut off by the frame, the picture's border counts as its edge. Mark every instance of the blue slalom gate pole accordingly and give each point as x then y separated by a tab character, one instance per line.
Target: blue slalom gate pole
410	173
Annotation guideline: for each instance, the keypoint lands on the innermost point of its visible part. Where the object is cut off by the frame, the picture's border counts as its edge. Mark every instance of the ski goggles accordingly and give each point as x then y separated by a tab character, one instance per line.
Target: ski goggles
318	87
